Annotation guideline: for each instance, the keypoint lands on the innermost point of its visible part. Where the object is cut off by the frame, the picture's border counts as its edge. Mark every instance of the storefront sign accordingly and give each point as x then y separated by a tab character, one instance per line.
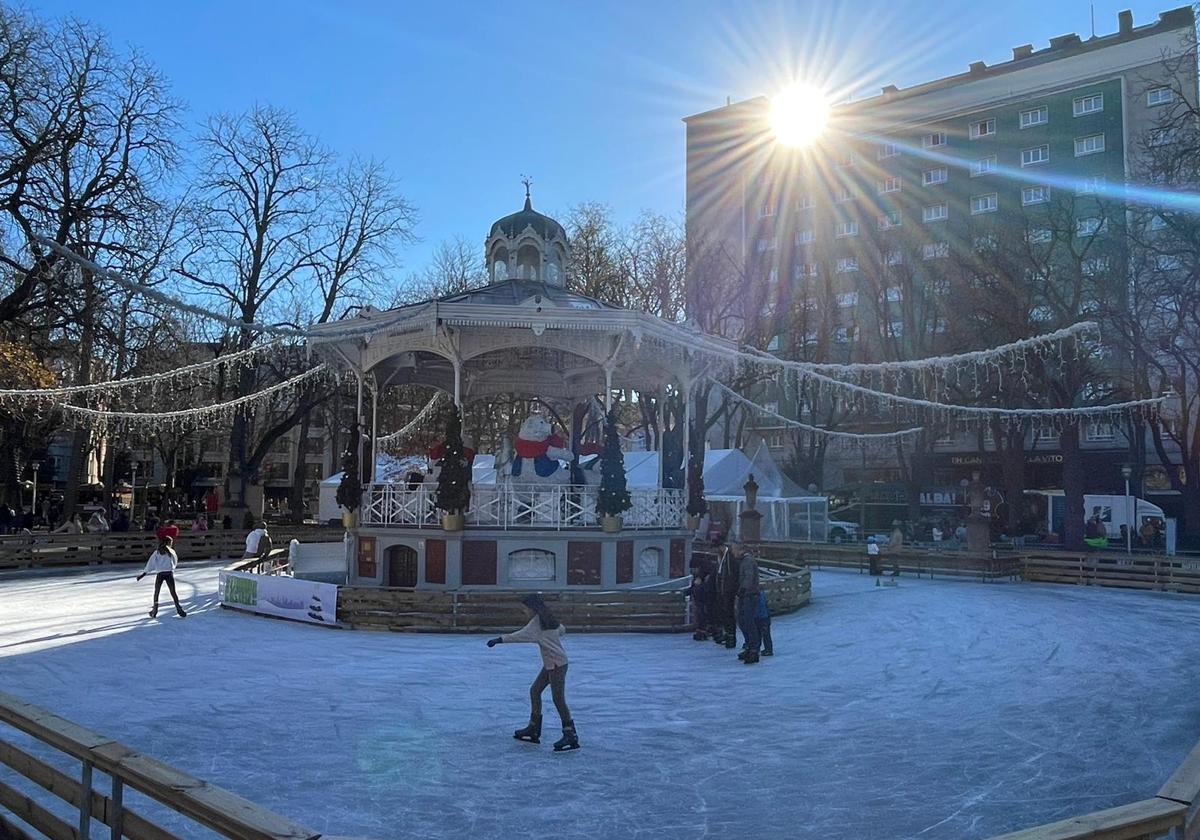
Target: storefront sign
1045	458
280	595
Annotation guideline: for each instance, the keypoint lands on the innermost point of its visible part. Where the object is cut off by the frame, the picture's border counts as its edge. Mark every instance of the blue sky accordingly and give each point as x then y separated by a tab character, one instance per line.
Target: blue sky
461	98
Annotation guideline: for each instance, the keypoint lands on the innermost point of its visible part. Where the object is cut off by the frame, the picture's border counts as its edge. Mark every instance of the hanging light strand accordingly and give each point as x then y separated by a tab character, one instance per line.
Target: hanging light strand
832	433
408	429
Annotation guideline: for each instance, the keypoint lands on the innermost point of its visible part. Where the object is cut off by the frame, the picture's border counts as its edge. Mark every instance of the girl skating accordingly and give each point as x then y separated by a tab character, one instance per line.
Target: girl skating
546	632
162	564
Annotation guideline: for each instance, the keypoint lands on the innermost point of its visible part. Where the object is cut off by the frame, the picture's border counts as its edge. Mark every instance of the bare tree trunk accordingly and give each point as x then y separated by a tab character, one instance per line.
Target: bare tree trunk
1072	474
299	473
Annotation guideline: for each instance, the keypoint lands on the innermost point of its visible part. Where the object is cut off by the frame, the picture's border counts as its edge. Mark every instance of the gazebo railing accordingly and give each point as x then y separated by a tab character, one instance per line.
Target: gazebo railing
505	506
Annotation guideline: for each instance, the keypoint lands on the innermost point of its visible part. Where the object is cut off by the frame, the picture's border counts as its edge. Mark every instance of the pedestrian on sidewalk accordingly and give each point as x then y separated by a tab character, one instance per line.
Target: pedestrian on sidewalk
546	632
162	564
747	592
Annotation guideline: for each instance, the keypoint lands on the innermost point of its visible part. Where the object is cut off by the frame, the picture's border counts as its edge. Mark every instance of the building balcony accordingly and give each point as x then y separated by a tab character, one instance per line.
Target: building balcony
552	507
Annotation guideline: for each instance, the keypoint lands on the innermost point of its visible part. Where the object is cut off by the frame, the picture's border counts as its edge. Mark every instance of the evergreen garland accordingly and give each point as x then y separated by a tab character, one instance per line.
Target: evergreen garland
454	476
350	490
613	498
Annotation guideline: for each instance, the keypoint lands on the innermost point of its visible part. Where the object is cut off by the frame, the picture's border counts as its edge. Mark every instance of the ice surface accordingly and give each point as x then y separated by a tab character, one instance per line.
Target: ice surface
940	709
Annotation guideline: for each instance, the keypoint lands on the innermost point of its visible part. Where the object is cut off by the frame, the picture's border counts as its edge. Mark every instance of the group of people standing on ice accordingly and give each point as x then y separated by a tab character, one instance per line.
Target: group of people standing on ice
727	598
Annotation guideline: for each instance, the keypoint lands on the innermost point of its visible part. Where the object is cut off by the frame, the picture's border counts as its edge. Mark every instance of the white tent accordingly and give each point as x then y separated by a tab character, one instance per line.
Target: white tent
788	514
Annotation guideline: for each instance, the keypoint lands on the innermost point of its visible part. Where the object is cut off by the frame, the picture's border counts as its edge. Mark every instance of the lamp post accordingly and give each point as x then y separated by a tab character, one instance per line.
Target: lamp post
35	466
1126	472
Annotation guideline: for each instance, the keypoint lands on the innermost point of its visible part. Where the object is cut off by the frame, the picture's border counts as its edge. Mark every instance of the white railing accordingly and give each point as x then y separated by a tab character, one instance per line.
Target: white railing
547	506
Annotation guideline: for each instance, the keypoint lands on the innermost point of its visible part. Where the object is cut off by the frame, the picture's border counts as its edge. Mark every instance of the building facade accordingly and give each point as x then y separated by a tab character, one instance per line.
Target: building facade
989	191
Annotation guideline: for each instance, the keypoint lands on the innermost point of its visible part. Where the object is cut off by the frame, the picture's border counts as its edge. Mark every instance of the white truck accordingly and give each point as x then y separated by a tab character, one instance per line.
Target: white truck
1115	511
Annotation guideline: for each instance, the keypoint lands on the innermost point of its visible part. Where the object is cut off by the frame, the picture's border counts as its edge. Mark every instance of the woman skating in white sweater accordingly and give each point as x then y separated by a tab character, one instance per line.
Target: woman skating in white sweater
162	565
546	632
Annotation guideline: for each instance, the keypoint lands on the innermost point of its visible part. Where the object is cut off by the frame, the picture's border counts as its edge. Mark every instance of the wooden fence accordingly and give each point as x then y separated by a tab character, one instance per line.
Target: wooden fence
1136	571
1174	812
210	806
788	588
992	565
39	550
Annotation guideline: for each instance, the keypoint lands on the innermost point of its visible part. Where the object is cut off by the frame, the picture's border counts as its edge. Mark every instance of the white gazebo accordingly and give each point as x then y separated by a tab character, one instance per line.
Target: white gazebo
526	335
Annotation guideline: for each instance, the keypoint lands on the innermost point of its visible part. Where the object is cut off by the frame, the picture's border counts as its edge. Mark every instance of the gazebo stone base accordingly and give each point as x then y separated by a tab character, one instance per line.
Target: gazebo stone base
537	560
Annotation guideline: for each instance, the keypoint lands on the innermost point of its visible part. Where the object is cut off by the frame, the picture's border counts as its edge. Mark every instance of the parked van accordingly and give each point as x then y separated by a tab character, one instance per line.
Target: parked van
1112	510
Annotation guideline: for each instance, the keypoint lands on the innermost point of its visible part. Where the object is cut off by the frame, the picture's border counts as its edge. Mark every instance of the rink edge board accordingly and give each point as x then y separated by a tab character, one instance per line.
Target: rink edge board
788	589
58	550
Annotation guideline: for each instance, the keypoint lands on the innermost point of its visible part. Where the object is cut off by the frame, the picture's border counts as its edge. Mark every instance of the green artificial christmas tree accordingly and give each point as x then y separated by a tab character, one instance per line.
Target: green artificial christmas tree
350	490
454	476
696	504
613	498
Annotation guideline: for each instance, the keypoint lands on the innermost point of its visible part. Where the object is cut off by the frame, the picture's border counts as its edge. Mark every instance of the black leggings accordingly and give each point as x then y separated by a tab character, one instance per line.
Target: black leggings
557	680
169	579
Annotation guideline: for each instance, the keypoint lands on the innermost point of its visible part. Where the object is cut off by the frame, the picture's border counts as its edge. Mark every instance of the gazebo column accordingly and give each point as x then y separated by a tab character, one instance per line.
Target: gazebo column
457	381
374	425
687	429
607	388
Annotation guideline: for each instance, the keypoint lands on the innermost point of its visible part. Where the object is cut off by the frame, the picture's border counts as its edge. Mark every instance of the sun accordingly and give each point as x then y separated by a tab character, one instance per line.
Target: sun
798	115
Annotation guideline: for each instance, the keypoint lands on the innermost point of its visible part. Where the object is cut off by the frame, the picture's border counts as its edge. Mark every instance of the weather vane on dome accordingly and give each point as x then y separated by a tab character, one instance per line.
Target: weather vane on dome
528	182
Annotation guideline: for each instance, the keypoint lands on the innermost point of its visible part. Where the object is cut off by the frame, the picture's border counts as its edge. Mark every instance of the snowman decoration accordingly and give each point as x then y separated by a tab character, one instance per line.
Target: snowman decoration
539	453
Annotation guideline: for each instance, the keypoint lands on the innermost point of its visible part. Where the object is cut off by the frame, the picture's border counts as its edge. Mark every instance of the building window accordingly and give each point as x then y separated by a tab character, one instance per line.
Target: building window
766	209
1168	262
1090	185
1034	116
983	166
774	344
1157	222
934	212
805	202
1035	195
766	244
982	128
806	269
844	335
1041	314
938	326
845	159
893	257
889	185
1089	226
889	220
1159	96
896	328
935	250
1094	266
1038	154
804	236
531	564
893	294
934	139
984	242
845	194
844	229
1089	145
1093	104
1161	136
937	175
773	276
888	150
984	203
847	299
1040	235
847	264
1099	431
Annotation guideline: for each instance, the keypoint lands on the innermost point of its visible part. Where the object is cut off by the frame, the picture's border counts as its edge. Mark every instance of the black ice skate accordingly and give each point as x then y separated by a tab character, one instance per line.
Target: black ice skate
569	740
531	733
180	612
750	658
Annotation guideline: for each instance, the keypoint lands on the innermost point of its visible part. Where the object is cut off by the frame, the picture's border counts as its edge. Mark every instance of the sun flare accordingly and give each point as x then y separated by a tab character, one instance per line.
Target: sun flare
798	115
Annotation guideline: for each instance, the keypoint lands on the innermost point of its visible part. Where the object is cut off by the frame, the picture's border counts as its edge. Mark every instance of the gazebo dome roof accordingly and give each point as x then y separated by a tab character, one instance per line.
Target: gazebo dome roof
515	292
512	225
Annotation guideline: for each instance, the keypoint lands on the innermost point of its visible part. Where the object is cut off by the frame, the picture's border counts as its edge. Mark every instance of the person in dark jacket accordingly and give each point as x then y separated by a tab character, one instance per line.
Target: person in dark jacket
703	594
762	620
727	587
747	602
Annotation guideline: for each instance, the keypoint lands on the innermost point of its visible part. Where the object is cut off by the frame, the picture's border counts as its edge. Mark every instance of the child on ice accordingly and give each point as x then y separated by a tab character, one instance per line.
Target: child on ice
763	621
703	592
162	564
546	632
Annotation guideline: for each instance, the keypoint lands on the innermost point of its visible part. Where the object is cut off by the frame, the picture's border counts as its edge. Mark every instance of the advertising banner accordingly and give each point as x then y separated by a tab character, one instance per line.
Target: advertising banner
279	595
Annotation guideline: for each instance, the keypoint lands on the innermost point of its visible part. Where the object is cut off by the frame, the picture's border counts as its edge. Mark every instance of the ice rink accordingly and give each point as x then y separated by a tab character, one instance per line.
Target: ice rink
938	709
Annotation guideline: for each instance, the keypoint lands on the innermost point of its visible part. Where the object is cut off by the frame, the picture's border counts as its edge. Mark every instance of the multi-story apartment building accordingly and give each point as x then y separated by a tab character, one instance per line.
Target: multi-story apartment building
868	244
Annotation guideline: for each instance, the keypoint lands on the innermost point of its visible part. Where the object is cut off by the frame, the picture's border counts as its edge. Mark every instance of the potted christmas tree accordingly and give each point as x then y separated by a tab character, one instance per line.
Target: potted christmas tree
697	506
350	489
454	476
613	498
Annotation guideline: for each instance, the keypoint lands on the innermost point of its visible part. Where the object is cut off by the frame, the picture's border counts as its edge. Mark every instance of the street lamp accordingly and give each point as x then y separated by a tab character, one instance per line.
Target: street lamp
1126	472
35	466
